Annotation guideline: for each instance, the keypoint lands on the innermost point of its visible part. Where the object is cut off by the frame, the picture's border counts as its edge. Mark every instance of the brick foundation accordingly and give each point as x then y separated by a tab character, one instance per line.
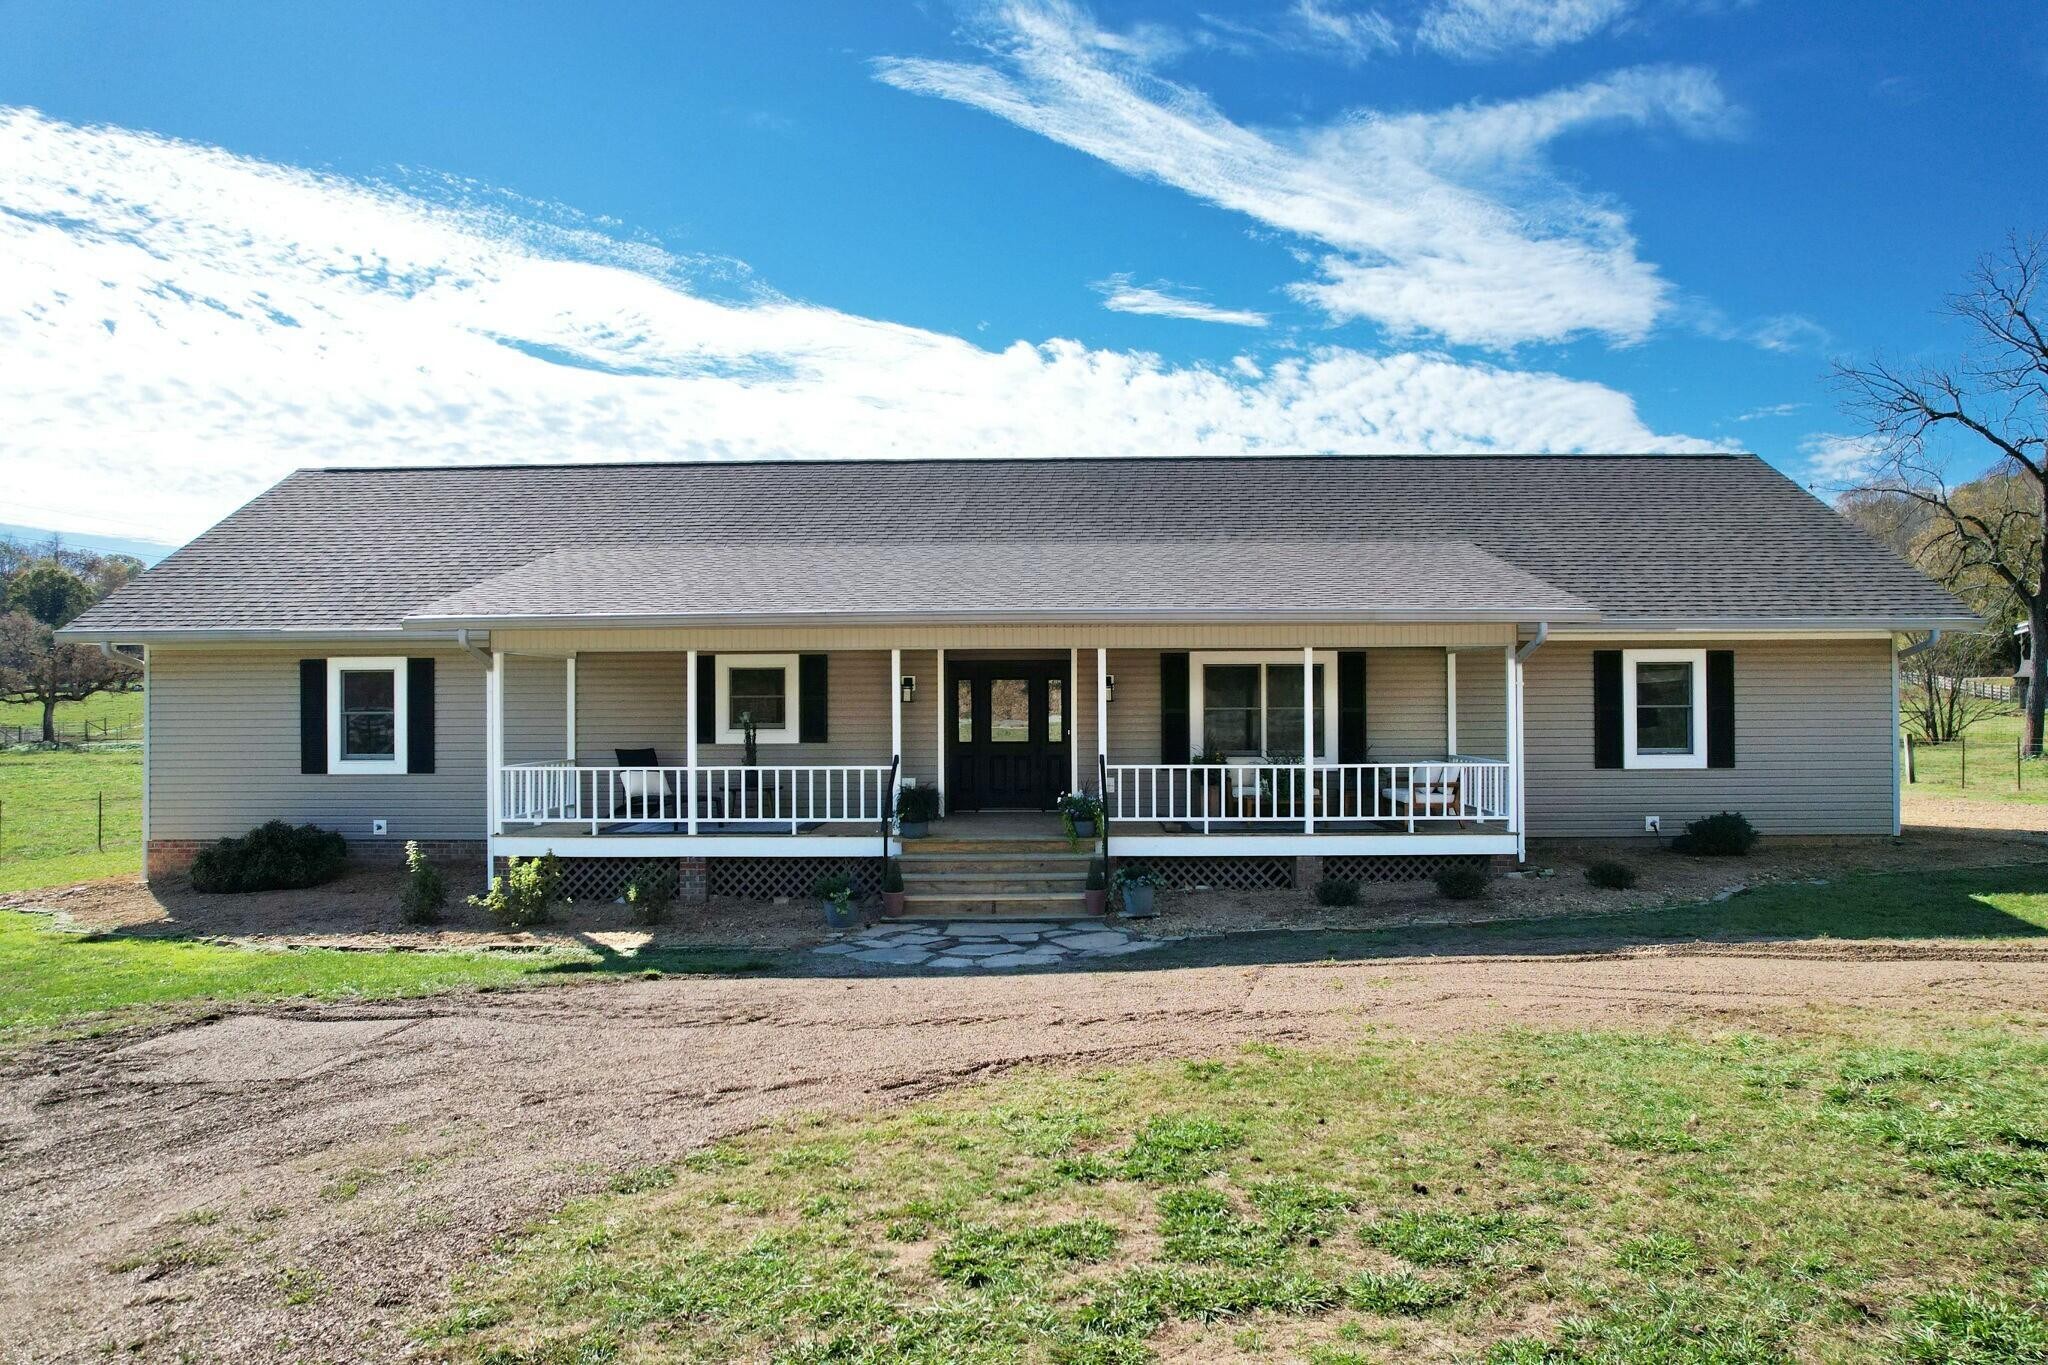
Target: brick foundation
167	857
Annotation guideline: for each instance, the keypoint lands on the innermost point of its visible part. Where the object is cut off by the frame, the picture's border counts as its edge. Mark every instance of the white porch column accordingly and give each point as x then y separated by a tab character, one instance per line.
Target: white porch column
1101	712
1515	749
690	741
569	708
942	703
1450	703
896	703
494	740
1073	749
1898	824
1308	739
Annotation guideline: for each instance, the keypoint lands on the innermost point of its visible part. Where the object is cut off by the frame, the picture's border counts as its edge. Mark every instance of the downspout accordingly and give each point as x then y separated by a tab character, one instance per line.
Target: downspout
474	651
1933	639
1519	746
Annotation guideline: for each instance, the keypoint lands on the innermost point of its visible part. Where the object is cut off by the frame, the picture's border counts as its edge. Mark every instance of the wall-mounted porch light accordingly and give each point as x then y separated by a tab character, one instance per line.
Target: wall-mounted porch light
1109	687
909	687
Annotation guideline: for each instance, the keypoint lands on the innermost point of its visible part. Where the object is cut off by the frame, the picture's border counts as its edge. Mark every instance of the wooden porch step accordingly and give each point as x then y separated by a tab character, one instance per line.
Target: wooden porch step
1033	846
1062	904
1022	884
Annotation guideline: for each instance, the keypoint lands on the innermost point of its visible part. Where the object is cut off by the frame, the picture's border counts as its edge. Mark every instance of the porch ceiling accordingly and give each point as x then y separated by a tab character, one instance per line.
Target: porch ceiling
1424	579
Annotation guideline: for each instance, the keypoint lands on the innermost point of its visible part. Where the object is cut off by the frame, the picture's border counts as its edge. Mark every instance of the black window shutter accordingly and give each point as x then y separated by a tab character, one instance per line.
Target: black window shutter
813	697
707	698
1351	740
1173	708
312	715
1607	708
419	715
1720	708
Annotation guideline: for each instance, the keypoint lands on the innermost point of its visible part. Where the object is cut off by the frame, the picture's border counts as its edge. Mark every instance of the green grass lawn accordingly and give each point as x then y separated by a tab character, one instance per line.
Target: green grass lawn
114	709
48	816
50	979
1578	1197
1980	765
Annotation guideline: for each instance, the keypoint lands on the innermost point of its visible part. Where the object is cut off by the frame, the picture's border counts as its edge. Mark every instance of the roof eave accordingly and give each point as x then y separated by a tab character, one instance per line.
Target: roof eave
1061	616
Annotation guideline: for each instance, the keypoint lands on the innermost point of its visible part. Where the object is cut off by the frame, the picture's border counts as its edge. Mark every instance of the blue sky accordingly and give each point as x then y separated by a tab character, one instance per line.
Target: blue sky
248	237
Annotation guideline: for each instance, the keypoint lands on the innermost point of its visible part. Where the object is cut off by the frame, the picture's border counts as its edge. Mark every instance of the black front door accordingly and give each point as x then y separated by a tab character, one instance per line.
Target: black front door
1007	746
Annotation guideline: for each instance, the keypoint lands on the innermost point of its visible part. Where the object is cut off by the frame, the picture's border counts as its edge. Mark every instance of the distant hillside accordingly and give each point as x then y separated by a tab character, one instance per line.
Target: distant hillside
149	552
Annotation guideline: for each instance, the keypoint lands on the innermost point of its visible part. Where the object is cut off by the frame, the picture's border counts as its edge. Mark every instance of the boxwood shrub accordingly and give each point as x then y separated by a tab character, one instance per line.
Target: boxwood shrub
1727	835
271	857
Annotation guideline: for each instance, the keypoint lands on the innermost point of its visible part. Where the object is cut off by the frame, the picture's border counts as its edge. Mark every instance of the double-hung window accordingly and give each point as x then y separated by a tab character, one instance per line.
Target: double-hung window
1664	708
366	719
762	687
1248	704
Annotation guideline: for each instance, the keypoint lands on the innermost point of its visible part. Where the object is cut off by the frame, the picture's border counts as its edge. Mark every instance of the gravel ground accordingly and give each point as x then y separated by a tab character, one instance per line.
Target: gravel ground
1954	812
299	1182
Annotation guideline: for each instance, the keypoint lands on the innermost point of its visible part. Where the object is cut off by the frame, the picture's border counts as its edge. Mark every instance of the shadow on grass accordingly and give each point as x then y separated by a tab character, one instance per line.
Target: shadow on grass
653	961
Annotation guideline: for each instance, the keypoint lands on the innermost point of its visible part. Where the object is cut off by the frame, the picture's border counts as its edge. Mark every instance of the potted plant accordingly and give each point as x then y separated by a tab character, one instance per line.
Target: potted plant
1097	894
1081	814
916	808
892	888
1135	889
836	891
750	782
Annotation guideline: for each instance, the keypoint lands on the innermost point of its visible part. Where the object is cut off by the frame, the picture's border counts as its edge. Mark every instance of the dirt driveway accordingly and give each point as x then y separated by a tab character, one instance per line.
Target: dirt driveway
295	1183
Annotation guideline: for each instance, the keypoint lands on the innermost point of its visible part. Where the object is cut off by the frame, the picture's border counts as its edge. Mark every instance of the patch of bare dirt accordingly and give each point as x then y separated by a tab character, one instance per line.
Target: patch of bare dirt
360	910
1961	813
299	1182
1554	882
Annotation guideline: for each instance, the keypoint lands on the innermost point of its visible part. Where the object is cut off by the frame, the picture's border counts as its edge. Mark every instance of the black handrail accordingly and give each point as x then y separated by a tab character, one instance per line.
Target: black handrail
889	813
1102	794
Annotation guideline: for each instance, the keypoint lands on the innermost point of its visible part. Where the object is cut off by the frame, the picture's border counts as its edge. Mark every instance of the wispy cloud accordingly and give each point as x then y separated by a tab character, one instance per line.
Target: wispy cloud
1119	295
1770	410
1834	460
181	326
1492	28
1350	34
1789	332
1447	223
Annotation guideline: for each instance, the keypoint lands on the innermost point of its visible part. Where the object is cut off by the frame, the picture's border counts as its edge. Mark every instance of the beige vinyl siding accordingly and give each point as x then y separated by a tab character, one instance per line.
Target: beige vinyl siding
1813	745
536	709
1404	704
1482	703
224	751
633	701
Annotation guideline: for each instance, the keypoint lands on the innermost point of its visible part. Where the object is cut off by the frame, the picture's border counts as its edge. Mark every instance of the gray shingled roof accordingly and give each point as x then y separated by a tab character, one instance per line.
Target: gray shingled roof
1012	579
1650	539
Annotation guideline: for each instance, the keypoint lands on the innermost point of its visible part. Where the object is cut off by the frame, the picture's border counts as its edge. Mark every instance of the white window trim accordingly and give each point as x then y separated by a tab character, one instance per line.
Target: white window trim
786	733
1326	742
396	666
1697	756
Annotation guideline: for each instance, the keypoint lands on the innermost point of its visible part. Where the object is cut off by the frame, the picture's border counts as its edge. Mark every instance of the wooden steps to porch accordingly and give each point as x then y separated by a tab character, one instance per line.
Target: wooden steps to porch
1028	879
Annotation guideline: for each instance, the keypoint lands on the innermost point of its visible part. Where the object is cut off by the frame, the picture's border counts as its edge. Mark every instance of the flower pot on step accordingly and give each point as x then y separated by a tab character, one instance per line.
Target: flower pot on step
892	903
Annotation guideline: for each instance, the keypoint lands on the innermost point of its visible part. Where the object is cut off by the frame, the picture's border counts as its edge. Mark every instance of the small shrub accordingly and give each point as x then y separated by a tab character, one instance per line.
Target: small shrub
1336	891
1727	835
526	893
271	857
833	886
892	876
651	892
425	893
919	805
1609	875
1098	875
1463	881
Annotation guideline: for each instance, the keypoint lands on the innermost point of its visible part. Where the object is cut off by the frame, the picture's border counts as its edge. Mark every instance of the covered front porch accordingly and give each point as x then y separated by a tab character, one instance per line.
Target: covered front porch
1381	744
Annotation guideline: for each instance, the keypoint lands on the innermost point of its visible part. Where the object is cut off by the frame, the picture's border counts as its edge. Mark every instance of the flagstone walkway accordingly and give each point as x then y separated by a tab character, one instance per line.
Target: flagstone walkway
986	945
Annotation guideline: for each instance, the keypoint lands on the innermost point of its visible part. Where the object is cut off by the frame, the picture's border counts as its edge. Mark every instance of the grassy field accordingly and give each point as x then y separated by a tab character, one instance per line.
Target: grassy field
1520	1198
114	709
50	979
49	816
1985	758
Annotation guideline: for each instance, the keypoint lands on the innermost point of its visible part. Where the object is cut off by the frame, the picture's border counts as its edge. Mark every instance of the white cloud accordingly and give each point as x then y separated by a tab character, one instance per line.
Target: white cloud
1493	28
1445	223
1838	461
1354	35
1770	410
1119	295
182	326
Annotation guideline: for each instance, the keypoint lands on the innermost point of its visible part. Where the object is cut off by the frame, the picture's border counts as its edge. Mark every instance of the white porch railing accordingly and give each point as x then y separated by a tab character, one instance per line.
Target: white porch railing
1452	790
721	797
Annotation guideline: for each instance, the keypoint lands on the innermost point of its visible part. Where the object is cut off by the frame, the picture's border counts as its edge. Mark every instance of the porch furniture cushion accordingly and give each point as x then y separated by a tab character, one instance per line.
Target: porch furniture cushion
637	758
1434	789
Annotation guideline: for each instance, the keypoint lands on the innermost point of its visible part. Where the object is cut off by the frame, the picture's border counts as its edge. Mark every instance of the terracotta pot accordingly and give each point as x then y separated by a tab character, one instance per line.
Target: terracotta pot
1096	898
892	903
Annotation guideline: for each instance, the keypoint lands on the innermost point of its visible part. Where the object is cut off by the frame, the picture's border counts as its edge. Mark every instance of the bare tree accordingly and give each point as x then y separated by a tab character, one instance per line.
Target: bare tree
34	667
1935	698
1993	401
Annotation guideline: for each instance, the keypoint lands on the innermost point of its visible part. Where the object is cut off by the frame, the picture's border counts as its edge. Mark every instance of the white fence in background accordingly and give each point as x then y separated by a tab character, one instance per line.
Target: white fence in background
721	797
1206	794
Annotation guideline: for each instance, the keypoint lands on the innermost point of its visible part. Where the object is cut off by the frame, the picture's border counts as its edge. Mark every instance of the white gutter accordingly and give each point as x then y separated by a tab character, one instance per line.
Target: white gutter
480	655
1535	642
1933	639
